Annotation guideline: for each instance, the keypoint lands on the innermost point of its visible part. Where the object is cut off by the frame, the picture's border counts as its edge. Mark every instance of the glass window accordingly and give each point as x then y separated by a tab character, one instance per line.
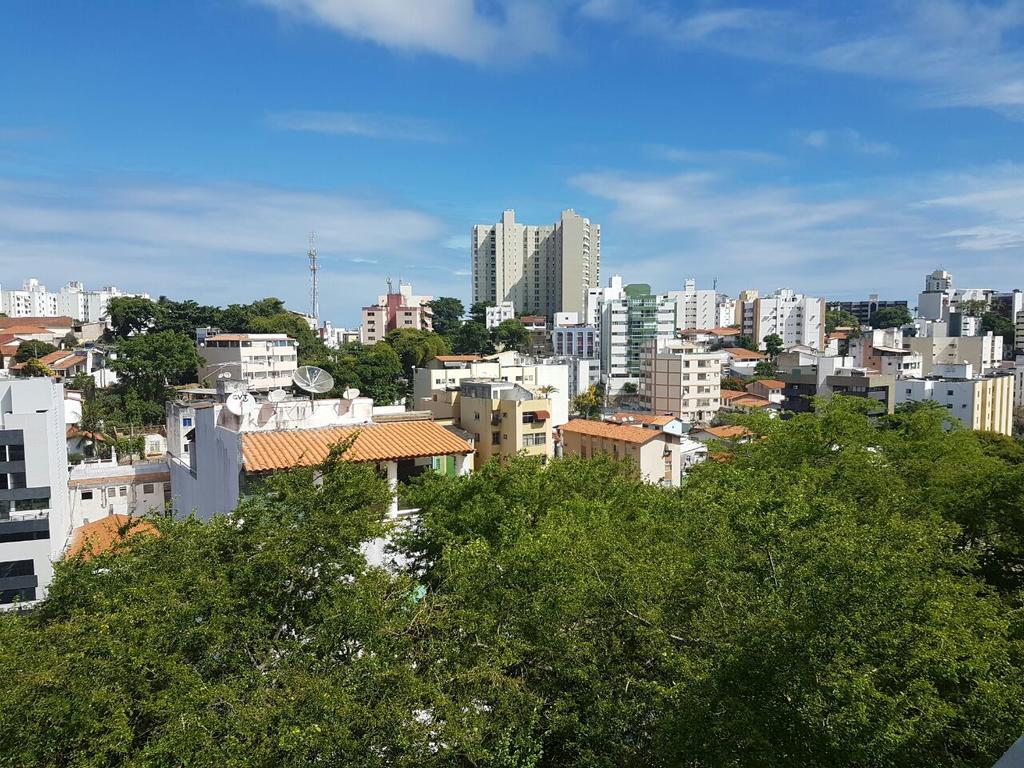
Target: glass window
13	568
15	452
86	495
17	480
186	422
147	488
124	490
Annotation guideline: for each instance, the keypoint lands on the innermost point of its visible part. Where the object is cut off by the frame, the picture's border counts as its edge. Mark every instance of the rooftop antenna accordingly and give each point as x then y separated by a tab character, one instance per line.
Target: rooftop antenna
390	287
314	289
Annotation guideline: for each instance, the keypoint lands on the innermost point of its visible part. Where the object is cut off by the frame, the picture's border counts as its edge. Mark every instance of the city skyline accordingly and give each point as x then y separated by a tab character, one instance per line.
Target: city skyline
189	153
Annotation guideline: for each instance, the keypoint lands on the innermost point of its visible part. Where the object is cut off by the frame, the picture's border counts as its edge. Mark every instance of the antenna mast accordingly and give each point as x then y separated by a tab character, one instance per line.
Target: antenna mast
314	290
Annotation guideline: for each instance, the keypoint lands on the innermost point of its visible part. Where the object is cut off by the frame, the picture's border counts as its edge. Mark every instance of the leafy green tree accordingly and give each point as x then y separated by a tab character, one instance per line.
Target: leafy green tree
129	315
84	383
32	348
837	318
734	383
891	317
34	368
588	404
478	312
773	345
375	370
311	349
999	326
448	314
472	338
764	369
185	316
69	340
973	307
746	342
415	347
149	363
512	334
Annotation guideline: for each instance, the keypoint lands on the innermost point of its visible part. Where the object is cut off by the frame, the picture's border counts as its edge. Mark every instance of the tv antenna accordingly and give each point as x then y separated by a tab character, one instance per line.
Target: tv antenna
314	290
238	402
314	380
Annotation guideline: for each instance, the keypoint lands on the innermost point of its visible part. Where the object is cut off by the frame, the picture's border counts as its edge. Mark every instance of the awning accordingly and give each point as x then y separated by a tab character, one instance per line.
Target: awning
542	415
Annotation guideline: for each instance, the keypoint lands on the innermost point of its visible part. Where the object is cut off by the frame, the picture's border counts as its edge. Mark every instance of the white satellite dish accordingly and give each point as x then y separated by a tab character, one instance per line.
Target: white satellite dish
350	394
277	395
238	402
313	380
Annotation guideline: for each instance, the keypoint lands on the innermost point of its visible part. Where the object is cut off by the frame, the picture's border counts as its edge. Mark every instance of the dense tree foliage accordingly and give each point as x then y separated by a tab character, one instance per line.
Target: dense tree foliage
447	313
838	592
34	367
999	326
512	334
478	312
891	317
375	370
588	404
837	318
32	349
415	347
472	338
773	345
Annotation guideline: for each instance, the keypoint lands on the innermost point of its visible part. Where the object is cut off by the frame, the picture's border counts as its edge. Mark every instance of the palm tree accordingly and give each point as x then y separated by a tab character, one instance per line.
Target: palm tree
547	390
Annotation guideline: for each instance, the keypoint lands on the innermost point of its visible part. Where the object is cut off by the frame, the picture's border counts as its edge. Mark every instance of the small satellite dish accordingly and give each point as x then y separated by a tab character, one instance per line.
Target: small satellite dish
238	402
277	395
313	380
350	394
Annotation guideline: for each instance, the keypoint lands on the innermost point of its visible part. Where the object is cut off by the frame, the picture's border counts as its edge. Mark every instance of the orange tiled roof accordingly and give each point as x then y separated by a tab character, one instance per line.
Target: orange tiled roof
770	383
457	358
271	451
728	432
728	395
69	362
623	432
747	400
26	330
744	354
104	534
838	335
62	321
61	360
642	418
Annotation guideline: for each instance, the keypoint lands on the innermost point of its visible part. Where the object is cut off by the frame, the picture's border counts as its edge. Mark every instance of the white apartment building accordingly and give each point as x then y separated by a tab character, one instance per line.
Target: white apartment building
1018	336
335	337
262	360
584	372
978	402
933	303
435	386
102	487
628	321
73	300
696	308
725	308
576	341
795	318
984	353
499	313
882	350
540	269
35	520
682	379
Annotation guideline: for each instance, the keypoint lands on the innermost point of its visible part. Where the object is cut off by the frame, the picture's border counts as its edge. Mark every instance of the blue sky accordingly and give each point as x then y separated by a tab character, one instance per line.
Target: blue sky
187	148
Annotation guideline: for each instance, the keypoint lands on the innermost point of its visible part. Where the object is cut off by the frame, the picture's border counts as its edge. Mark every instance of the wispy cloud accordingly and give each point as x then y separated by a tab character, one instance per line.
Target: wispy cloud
880	235
714	156
955	53
846	139
371	126
216	242
501	30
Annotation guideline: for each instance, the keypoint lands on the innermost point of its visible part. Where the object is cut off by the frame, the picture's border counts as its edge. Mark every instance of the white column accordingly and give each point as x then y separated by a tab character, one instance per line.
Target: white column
392	467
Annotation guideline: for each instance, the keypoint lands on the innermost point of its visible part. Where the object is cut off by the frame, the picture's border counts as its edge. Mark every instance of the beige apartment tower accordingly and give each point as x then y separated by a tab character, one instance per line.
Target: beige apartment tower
541	270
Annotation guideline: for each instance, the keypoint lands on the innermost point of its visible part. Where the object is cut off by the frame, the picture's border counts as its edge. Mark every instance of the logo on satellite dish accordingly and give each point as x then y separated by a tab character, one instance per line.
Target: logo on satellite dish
239	402
314	380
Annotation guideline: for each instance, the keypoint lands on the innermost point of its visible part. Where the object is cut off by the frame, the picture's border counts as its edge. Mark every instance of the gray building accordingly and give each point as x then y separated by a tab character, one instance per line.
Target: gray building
540	269
35	517
863	310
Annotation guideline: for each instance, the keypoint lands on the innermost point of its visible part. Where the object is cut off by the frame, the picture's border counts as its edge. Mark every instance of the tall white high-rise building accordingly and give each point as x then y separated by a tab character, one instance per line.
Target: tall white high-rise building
631	317
73	300
795	318
695	309
540	269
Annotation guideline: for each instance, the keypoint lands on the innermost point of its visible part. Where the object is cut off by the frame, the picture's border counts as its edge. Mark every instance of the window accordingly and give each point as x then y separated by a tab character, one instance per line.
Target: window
949	392
147	488
186	421
16	453
14	568
17	480
495	438
86	495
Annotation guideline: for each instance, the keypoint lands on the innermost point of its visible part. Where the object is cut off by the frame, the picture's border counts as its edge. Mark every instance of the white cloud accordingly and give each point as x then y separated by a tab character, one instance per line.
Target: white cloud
359	124
714	156
844	138
956	53
215	242
515	29
840	241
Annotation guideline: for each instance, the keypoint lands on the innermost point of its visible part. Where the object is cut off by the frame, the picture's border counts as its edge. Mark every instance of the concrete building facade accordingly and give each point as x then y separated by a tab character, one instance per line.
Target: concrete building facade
263	361
73	300
540	269
399	309
681	379
980	403
696	308
506	419
627	323
35	519
795	318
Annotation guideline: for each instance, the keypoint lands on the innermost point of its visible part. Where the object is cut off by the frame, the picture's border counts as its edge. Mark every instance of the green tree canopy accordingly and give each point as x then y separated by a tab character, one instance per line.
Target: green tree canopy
478	312
448	314
33	368
891	317
33	348
999	326
837	318
588	404
973	307
128	315
764	369
472	338
512	334
311	349
150	362
773	345
415	347
375	370
746	342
